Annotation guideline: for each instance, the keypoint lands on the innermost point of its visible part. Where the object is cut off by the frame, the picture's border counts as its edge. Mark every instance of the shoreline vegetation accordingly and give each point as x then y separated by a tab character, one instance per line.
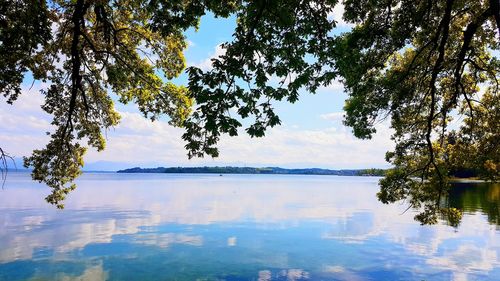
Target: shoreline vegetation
254	170
373	172
456	178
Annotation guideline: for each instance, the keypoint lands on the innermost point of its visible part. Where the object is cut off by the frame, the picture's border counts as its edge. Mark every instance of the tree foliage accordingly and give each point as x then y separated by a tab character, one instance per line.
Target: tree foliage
284	41
431	67
85	50
88	50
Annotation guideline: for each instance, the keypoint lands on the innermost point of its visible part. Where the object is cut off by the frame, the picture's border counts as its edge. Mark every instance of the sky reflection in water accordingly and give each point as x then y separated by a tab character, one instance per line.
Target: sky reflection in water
239	227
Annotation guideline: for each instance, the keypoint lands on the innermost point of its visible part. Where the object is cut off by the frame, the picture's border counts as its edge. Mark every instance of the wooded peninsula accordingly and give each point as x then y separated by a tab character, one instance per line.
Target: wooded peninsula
253	170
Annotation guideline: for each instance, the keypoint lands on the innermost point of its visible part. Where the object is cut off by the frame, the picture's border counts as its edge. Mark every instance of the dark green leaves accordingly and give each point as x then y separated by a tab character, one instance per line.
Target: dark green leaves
24	28
84	50
422	64
279	47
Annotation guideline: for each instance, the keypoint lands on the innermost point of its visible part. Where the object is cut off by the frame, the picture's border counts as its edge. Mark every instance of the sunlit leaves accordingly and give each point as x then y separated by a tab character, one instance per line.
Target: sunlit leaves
85	50
425	65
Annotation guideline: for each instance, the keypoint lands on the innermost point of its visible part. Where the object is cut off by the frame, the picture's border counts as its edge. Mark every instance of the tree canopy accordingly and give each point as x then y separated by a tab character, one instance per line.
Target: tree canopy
425	65
430	67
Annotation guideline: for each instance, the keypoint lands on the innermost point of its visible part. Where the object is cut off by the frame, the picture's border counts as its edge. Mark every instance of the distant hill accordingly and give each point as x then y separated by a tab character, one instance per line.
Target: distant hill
252	170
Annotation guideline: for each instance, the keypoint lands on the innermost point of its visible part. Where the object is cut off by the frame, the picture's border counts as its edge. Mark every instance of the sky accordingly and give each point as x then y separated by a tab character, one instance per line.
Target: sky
311	134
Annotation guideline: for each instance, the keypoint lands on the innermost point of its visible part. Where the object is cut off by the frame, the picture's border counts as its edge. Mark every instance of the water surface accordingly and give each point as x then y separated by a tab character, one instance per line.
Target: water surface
240	227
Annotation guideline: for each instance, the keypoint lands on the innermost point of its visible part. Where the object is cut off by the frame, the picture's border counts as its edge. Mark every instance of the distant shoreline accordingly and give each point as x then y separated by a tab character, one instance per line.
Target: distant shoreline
254	170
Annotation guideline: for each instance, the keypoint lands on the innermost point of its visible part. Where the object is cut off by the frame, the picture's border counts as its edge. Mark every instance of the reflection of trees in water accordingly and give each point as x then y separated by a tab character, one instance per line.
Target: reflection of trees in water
477	197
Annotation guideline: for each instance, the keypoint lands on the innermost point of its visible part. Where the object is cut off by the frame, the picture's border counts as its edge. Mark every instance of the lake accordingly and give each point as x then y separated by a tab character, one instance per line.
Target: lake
240	227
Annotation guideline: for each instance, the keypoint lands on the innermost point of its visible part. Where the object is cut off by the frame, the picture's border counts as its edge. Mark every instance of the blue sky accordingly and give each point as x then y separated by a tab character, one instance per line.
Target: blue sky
311	135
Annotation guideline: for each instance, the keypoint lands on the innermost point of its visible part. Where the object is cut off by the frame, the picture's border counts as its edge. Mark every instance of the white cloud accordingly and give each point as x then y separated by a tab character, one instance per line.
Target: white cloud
231	241
206	64
336	85
334	268
24	123
470	249
333	116
294	274
190	44
466	258
342	273
165	240
137	140
337	15
265	275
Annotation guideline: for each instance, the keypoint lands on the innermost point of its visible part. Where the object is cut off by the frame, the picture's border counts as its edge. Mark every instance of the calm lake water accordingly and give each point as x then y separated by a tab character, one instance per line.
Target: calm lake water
240	227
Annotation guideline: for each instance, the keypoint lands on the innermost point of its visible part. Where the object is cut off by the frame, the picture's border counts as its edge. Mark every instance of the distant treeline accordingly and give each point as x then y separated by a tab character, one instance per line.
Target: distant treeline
372	172
252	170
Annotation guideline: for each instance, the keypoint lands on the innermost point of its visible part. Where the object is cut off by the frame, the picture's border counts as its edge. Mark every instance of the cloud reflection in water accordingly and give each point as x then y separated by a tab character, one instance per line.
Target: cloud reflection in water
244	221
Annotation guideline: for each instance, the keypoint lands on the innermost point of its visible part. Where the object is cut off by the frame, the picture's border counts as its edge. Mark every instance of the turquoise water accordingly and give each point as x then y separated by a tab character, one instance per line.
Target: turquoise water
240	227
